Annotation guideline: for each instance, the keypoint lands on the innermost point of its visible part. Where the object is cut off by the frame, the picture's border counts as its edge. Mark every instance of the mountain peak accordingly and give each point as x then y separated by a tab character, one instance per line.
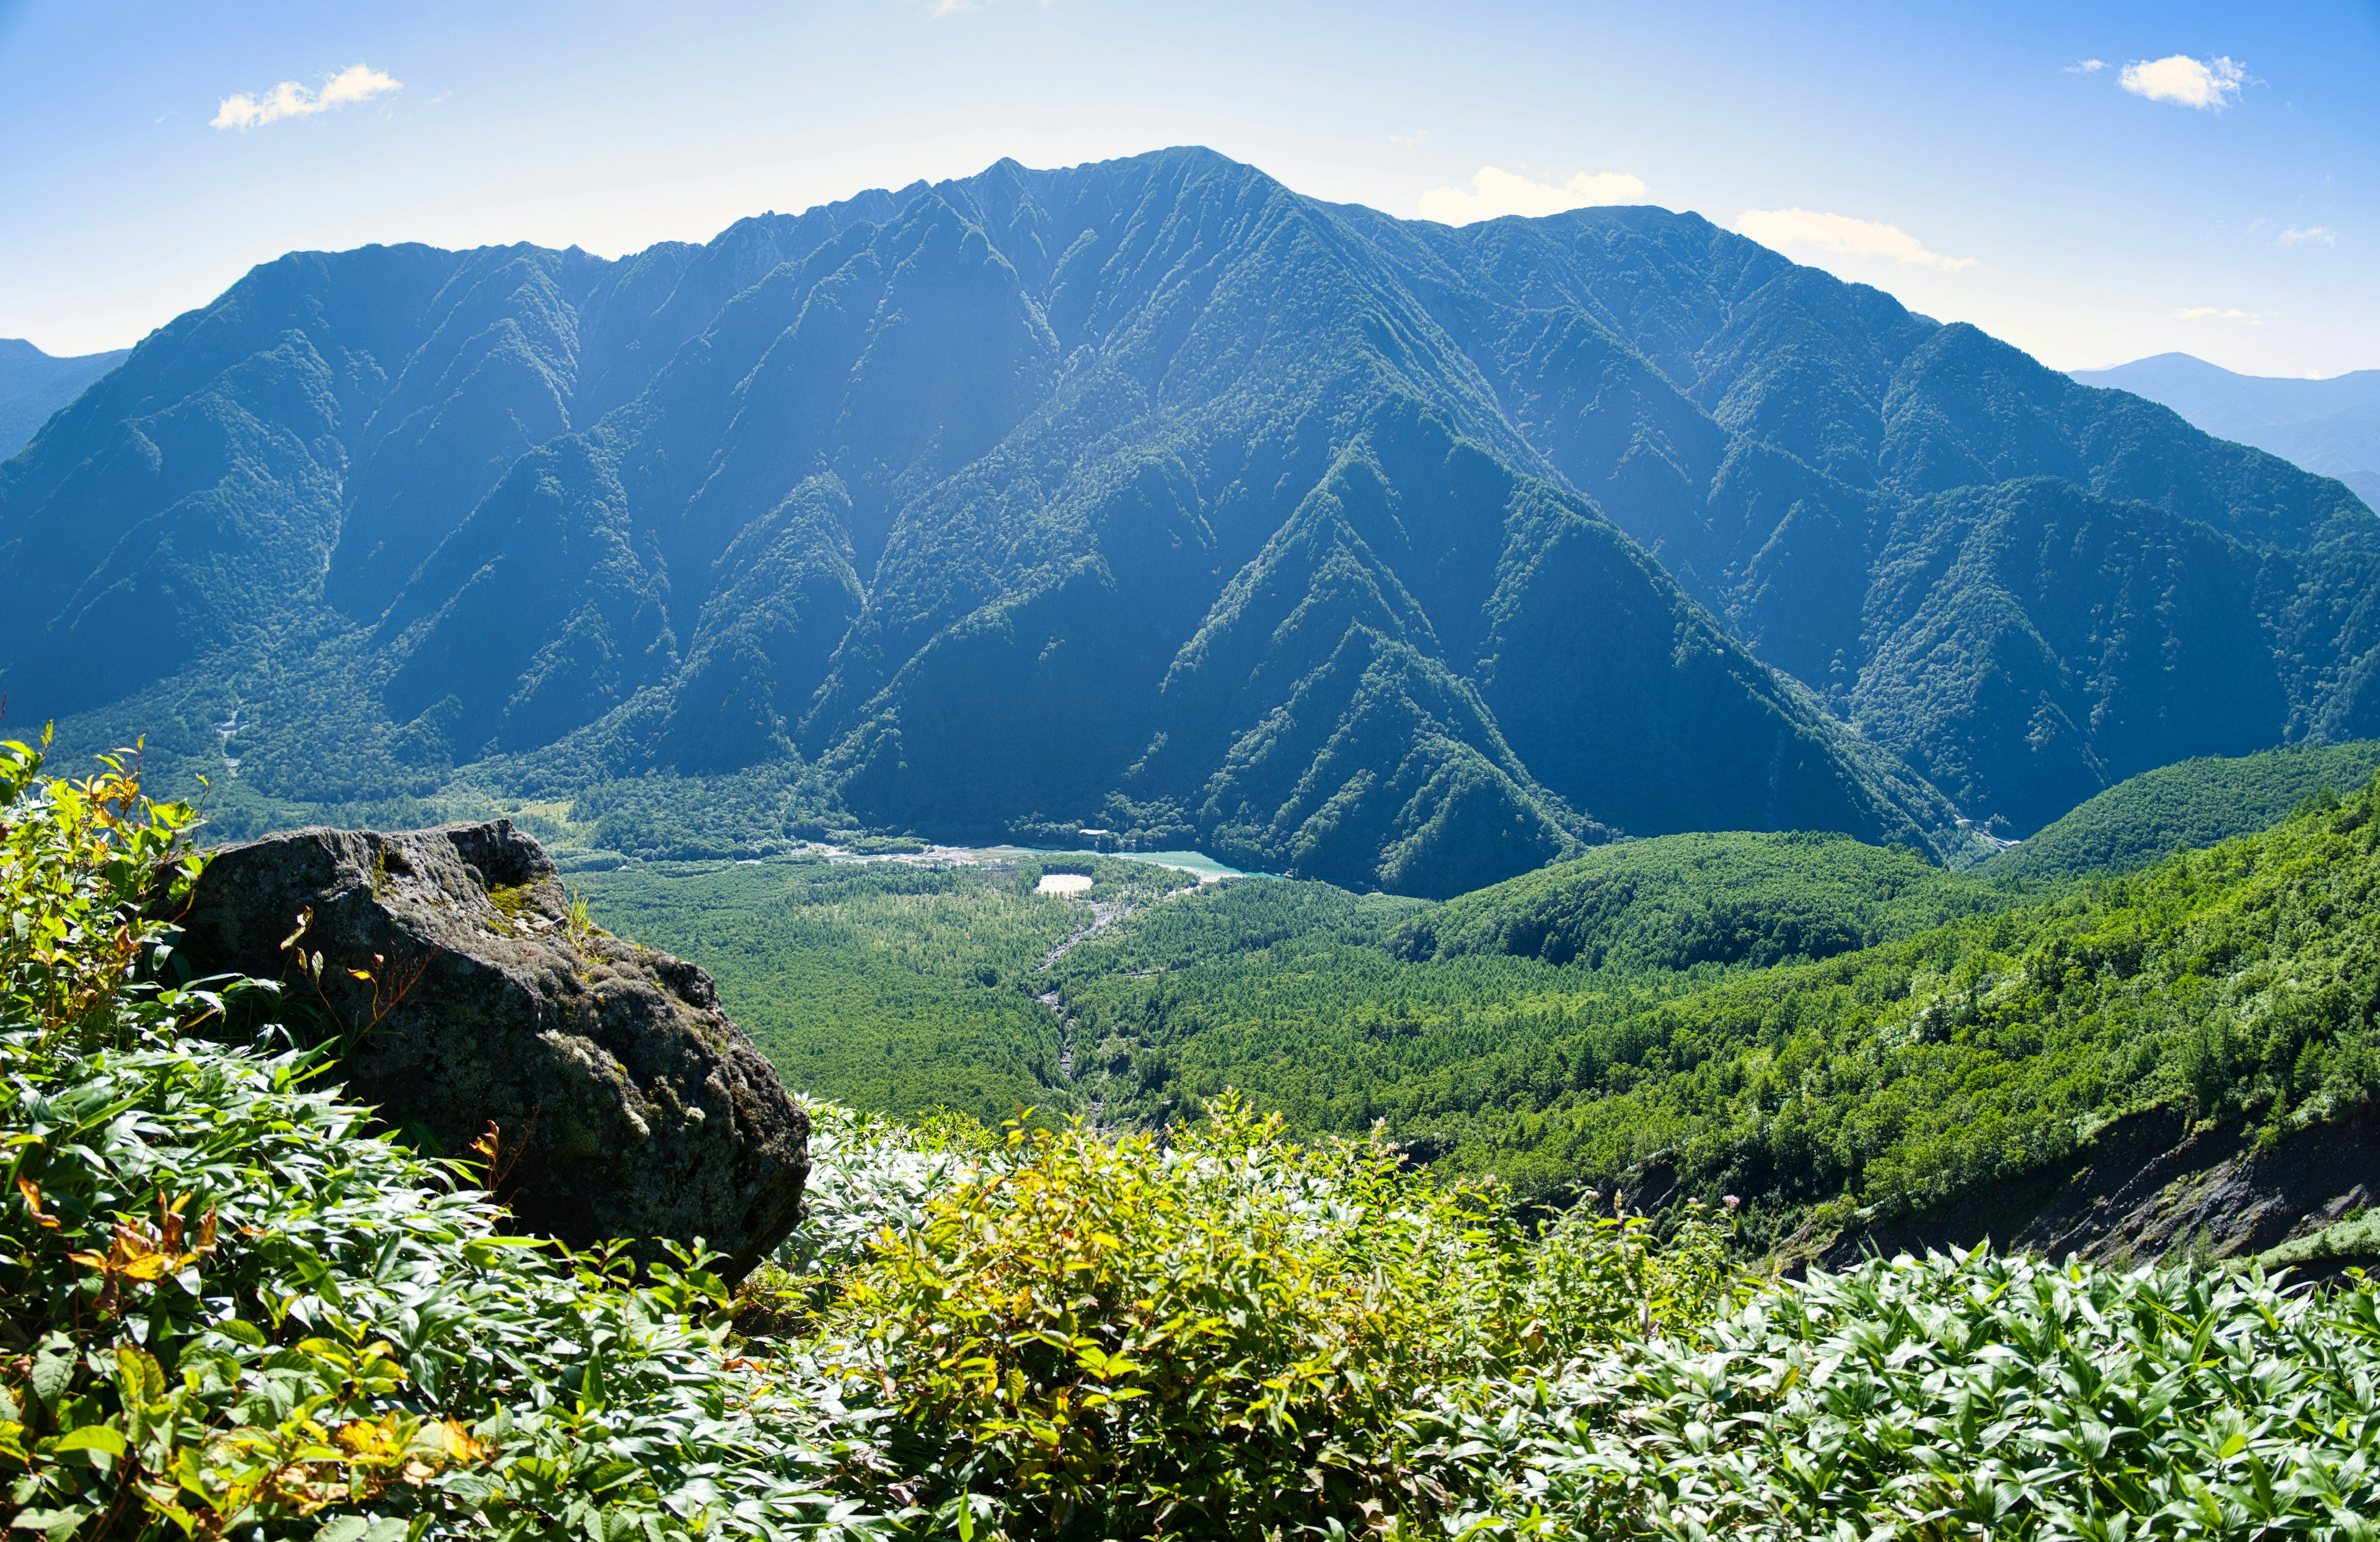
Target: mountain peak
1149	495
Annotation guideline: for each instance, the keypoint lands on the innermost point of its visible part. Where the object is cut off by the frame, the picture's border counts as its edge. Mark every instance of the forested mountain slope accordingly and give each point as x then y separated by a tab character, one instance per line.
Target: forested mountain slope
1975	1042
2328	426
1153	495
2193	802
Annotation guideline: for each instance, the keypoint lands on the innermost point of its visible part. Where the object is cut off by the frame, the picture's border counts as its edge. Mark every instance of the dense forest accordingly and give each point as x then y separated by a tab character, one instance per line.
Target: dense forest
1816	1026
2193	802
2235	981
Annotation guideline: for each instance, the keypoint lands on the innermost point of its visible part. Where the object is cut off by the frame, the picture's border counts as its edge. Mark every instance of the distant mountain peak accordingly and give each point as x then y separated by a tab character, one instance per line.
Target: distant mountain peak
2331	426
33	384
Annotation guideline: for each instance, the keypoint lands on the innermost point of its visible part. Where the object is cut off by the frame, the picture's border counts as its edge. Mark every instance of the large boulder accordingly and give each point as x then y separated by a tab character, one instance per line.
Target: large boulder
625	1104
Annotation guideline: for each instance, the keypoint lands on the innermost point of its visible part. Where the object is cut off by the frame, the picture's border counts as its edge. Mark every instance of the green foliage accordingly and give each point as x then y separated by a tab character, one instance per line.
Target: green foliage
235	1308
1219	1337
1952	1397
1683	900
239	1309
2195	803
2235	982
893	987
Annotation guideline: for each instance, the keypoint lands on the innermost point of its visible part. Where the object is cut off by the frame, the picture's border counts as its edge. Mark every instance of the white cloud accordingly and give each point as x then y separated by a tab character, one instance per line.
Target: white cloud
2300	235
1410	141
2216	313
1494	192
2211	84
355	83
2086	66
1843	236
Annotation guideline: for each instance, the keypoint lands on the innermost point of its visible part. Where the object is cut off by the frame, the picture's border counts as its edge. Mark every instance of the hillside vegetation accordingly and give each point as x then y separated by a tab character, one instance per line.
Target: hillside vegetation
1683	900
245	1310
2195	803
2238	982
957	509
887	986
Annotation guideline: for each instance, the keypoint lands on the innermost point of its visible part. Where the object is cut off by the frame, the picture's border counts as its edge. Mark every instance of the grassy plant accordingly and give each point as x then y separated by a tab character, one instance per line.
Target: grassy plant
1949	1397
235	1308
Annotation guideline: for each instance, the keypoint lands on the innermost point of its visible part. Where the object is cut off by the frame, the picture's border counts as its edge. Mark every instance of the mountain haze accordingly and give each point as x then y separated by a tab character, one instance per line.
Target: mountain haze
2331	426
1153	495
34	384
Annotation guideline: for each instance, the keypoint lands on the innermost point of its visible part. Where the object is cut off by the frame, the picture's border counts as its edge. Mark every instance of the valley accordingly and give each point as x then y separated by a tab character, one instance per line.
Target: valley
950	772
1840	1035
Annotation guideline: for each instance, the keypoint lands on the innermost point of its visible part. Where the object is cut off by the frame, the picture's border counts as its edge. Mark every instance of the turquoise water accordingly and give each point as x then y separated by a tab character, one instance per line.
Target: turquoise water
1196	863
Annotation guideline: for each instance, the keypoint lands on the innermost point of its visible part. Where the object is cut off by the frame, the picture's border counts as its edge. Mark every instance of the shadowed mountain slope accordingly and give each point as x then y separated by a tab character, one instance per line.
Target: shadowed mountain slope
1152	496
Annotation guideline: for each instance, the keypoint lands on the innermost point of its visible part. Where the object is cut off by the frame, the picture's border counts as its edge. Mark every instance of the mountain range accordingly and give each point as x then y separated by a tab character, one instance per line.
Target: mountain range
1153	496
33	385
2330	427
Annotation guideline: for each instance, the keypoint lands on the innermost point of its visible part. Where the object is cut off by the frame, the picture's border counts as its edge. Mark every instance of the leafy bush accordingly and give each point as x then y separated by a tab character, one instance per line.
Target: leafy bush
1972	1396
233	1309
1217	1338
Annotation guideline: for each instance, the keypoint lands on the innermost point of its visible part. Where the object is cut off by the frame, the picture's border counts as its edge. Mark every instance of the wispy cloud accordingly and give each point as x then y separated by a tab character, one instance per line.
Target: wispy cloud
1410	141
355	83
2208	84
2086	66
1495	191
2299	235
1843	236
2217	314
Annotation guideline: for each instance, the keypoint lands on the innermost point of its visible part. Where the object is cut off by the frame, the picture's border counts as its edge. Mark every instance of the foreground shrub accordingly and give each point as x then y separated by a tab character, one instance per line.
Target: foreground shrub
1218	1338
230	1307
1951	1397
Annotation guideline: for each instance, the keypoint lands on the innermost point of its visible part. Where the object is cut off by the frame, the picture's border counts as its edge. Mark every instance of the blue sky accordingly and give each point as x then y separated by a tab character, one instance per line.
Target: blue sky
2213	185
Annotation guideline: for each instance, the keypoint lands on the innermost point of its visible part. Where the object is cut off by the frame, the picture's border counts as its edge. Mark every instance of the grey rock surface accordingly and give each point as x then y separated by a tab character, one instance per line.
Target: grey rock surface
625	1104
2150	1184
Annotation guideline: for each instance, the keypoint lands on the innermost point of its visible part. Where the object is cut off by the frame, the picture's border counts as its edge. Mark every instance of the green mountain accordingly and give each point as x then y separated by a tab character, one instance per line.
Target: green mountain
2330	425
33	385
1683	900
2197	803
1872	1050
1154	496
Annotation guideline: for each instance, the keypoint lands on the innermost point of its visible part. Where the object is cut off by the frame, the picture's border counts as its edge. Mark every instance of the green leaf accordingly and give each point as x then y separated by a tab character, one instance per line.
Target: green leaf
99	1438
53	1374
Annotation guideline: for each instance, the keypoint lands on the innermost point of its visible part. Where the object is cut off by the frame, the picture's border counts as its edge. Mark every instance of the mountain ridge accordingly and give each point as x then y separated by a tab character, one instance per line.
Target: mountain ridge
34	384
1148	494
2330	427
